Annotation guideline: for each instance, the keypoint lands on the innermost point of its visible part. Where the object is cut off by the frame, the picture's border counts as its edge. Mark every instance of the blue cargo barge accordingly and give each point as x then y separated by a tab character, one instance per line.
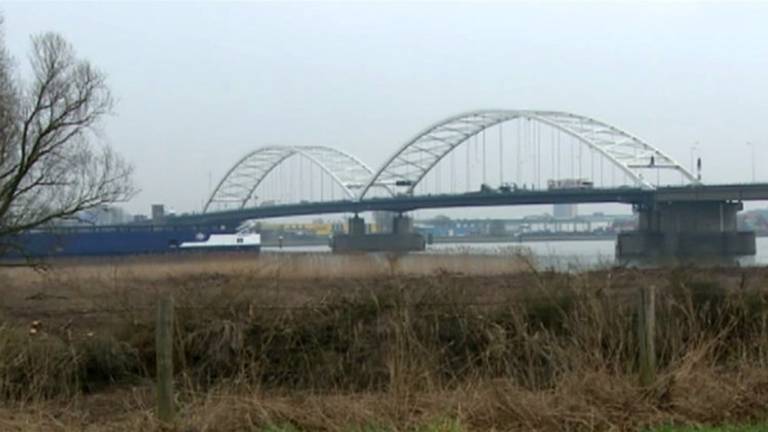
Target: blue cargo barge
117	240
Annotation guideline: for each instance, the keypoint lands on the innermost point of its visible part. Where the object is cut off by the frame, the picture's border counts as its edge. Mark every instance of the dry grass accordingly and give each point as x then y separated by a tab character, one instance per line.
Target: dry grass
596	401
392	349
282	265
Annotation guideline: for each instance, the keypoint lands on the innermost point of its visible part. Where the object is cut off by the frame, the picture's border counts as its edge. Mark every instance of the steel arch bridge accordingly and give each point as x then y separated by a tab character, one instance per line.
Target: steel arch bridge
412	161
241	181
416	158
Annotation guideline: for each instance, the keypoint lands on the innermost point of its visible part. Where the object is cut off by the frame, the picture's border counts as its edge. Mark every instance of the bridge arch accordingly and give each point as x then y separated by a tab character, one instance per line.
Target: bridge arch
413	160
241	181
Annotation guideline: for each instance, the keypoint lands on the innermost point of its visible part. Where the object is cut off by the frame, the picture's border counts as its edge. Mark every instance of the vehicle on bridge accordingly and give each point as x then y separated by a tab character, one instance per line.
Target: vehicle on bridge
507	187
570	184
485	188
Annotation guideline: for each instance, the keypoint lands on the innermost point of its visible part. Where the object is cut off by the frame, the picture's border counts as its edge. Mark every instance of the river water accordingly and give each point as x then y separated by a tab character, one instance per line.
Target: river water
560	254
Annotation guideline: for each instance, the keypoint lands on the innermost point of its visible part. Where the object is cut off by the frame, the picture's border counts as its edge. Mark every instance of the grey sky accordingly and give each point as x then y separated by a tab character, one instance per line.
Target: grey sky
198	84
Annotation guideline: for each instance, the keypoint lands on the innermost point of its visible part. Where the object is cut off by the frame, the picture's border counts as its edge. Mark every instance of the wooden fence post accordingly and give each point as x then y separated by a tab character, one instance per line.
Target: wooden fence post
164	350
646	333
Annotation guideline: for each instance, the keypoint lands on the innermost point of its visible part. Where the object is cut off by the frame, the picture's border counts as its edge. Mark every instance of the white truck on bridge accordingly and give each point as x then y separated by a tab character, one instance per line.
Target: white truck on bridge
569	184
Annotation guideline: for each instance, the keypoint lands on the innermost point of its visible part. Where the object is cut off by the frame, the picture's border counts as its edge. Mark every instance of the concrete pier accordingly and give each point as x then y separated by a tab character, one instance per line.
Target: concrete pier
402	225
356	226
686	231
401	239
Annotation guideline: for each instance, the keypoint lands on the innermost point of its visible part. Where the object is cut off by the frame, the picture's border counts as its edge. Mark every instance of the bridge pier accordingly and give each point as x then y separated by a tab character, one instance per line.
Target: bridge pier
684	231
401	239
356	226
402	224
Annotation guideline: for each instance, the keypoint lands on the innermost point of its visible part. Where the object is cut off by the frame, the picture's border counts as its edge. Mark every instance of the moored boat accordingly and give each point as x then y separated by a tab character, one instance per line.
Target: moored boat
115	240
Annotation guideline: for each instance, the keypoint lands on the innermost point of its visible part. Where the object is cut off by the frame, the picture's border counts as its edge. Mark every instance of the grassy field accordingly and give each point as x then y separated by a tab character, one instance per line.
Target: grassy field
379	343
753	428
455	426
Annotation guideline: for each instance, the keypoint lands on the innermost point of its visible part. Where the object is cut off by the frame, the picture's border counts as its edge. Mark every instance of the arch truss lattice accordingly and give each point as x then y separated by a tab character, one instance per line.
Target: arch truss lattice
417	157
241	181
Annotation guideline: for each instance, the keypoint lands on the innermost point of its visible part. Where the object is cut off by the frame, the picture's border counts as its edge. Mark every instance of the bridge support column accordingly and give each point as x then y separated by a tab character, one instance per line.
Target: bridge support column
401	239
686	231
356	226
402	224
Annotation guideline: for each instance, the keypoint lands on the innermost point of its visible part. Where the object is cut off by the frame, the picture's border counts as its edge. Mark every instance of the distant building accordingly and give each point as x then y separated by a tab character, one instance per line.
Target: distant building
158	212
565	211
104	215
382	220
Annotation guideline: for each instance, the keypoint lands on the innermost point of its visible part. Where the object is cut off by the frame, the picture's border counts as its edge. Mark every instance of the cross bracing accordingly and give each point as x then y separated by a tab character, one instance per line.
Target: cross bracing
240	183
414	160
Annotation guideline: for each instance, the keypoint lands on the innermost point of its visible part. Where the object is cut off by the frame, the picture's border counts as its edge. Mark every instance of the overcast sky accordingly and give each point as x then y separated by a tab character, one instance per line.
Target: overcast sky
200	84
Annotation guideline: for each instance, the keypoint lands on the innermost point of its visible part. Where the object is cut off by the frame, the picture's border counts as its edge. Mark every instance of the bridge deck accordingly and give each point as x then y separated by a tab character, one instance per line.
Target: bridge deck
731	192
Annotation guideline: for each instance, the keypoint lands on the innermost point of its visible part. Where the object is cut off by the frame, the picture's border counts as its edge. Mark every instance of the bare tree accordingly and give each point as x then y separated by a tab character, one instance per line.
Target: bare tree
51	166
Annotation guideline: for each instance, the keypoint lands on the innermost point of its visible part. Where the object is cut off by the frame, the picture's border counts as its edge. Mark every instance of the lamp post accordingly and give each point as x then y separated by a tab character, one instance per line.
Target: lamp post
693	161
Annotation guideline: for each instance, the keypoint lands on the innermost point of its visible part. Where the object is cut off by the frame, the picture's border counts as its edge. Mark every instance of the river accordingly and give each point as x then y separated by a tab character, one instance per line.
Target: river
574	253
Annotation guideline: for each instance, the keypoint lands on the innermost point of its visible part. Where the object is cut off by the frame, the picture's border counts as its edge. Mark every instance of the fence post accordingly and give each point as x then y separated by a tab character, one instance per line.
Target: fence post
646	332
164	350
